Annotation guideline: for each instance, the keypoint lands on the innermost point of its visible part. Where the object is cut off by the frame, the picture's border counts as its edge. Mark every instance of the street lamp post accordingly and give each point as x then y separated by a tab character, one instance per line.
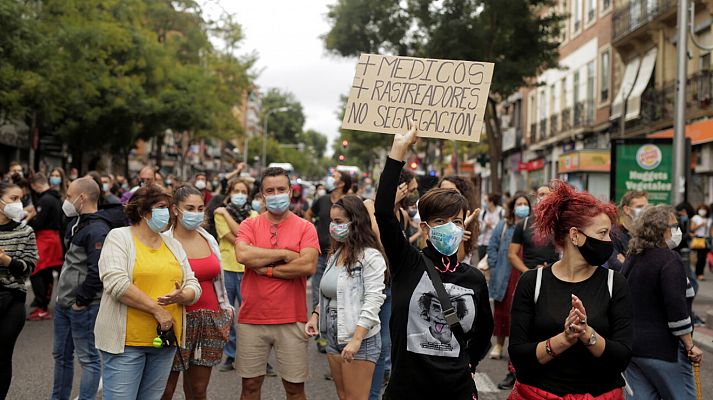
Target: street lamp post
264	135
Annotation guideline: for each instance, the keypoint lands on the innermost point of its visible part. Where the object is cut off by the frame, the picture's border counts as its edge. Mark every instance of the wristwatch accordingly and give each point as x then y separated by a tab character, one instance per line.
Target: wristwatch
592	339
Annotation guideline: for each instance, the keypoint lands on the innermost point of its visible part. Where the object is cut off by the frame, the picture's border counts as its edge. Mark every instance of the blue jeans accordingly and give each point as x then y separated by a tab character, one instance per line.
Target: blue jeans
384	362
657	379
317	278
139	373
74	331
232	287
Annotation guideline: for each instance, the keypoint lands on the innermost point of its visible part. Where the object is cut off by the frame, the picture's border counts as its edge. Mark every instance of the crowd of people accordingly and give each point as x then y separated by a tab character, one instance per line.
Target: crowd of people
411	287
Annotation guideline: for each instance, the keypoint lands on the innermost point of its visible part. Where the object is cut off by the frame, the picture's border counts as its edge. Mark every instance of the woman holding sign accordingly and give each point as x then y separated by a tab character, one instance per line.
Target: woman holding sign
441	321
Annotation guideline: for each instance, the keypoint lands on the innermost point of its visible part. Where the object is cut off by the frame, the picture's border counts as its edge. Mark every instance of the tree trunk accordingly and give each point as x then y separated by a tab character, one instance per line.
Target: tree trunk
495	144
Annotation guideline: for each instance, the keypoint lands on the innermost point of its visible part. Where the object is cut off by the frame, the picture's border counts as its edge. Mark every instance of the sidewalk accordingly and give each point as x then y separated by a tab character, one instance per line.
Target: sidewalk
703	306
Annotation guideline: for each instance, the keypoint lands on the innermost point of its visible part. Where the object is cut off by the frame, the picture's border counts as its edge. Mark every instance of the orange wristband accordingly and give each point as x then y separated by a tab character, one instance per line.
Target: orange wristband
269	272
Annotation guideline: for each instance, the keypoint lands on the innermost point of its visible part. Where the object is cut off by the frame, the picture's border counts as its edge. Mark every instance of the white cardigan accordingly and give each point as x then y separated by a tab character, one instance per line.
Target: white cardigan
219	281
116	269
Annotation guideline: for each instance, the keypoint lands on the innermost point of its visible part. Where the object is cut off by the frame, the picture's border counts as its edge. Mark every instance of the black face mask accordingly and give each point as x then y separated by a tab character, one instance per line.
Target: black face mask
595	252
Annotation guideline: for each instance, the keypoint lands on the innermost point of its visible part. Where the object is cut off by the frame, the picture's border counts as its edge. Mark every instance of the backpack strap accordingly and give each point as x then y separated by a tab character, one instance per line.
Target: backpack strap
538	284
610	283
524	225
446	306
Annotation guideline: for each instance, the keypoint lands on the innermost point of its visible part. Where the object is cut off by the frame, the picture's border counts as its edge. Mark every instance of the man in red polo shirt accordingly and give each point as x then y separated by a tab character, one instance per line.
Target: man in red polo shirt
279	251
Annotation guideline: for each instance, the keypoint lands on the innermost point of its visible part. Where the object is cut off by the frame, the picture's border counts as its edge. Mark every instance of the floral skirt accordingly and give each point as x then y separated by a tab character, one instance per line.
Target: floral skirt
206	334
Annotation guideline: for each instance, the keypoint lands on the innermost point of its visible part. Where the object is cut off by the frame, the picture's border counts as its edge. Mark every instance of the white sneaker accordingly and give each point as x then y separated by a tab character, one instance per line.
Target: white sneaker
497	352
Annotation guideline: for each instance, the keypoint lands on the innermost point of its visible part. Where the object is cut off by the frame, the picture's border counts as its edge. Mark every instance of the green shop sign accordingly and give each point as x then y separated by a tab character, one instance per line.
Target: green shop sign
642	165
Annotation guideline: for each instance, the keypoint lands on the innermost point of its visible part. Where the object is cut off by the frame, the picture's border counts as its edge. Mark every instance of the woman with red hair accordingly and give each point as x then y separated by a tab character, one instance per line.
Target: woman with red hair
571	332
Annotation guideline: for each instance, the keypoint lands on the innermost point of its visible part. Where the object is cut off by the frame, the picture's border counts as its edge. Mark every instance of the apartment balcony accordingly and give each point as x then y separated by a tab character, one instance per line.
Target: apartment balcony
583	114
657	104
554	124
637	13
566	119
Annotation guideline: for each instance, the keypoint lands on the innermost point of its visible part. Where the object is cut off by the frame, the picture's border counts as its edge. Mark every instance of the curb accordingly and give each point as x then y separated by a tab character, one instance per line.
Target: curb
703	338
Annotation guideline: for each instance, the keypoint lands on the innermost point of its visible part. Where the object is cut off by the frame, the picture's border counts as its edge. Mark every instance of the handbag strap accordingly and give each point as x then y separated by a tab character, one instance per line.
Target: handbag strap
449	313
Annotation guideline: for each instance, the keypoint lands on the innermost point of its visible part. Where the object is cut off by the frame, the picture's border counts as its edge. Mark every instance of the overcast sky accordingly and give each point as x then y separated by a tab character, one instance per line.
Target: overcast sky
291	56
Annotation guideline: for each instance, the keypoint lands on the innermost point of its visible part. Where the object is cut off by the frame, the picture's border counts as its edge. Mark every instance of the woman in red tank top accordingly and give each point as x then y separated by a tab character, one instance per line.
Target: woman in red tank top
208	320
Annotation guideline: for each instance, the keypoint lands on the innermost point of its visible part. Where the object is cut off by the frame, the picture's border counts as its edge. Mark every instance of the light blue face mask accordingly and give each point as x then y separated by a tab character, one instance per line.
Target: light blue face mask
55	180
446	238
159	219
330	184
522	211
238	199
278	203
256	205
192	220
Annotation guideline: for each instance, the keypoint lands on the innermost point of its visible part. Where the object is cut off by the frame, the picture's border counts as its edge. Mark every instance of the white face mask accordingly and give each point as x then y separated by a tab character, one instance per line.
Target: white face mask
636	213
14	211
200	185
69	209
702	212
675	240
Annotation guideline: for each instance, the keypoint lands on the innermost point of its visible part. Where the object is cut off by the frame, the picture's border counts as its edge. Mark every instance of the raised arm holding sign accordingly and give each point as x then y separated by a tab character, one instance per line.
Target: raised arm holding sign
445	98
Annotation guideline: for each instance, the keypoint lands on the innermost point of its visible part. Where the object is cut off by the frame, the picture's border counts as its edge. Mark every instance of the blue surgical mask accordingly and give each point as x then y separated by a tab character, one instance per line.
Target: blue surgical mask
106	187
159	219
239	199
192	220
55	180
446	238
256	205
277	203
330	184
339	232
522	211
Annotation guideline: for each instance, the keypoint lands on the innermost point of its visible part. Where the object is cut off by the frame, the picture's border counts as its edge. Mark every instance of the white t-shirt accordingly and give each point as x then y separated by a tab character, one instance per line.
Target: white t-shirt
701	231
486	218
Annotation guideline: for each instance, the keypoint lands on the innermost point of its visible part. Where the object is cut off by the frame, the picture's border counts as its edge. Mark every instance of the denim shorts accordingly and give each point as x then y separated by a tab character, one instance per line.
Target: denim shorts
370	348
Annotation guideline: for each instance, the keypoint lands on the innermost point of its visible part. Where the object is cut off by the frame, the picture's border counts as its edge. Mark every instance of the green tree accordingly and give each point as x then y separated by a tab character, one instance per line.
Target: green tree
285	126
315	140
519	36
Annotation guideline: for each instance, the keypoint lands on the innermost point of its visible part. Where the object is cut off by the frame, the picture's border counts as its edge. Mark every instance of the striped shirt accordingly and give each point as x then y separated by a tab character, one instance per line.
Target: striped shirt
18	242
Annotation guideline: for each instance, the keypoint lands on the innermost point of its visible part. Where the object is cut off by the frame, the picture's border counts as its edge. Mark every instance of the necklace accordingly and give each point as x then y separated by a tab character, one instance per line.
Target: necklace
447	264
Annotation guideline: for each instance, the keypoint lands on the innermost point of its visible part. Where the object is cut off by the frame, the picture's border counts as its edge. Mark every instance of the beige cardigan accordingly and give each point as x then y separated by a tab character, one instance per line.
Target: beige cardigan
116	268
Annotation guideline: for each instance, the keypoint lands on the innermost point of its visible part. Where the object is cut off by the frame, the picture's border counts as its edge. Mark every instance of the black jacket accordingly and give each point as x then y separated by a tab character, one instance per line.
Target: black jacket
48	205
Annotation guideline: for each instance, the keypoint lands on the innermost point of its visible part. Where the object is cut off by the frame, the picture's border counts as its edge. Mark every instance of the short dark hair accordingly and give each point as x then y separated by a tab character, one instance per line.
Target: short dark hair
5	186
347	179
406	176
143	200
629	196
272	172
496	198
183	192
441	203
39	179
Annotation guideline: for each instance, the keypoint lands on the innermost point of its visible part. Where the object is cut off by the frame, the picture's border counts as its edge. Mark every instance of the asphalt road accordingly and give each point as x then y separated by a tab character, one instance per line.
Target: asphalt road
33	369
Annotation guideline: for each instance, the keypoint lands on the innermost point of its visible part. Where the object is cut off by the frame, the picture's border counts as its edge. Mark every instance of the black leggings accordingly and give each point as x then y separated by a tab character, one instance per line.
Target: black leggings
701	261
11	322
42	283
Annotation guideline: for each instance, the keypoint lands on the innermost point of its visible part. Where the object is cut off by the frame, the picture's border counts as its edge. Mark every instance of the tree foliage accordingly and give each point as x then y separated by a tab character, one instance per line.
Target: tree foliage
519	36
285	126
102	73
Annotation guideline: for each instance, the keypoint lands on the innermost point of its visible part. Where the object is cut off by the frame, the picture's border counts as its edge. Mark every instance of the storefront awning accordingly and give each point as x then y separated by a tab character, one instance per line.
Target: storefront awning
584	161
633	107
699	132
627	84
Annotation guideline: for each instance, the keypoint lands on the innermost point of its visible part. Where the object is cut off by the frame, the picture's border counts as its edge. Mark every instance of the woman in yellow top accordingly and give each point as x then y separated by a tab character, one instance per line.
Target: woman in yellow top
236	208
147	282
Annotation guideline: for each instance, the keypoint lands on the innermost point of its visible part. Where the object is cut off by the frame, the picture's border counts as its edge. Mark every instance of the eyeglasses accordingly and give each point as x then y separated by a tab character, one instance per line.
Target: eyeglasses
273	235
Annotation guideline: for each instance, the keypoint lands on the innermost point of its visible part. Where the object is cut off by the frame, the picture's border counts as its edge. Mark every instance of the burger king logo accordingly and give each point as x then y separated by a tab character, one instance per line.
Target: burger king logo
648	156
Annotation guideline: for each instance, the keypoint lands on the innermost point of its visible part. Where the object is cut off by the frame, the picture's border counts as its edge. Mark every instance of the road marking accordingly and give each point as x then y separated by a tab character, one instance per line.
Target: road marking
484	384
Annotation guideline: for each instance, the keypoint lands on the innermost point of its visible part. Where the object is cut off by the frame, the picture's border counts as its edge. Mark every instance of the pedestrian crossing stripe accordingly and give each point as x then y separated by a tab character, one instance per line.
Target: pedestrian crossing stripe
484	384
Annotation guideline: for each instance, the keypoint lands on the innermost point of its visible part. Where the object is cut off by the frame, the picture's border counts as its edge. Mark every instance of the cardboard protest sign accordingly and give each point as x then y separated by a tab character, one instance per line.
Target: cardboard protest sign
446	98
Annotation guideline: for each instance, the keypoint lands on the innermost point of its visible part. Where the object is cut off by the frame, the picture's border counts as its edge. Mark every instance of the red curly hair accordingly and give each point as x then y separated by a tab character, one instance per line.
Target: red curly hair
566	208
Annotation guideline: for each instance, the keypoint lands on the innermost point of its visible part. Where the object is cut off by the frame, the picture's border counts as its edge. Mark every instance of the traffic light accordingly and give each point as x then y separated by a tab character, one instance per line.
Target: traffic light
341	157
414	165
345	144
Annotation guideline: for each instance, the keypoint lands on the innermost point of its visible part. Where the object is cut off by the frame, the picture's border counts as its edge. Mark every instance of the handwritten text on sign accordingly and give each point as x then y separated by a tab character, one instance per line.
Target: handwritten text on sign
446	98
